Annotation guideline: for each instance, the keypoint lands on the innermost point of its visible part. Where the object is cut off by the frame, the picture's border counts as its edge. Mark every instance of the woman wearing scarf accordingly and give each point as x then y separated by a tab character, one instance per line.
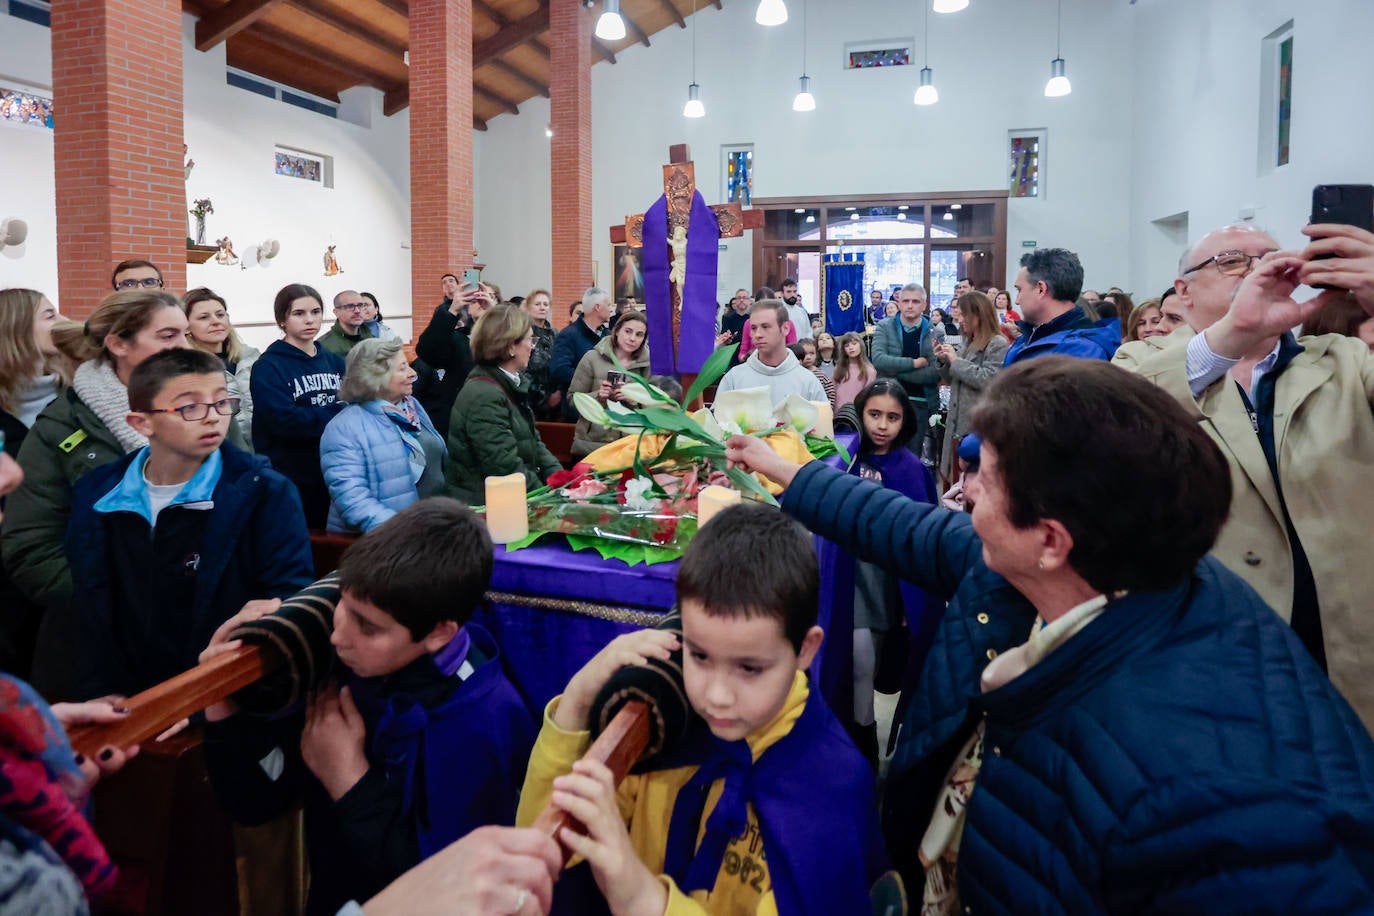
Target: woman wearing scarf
381	453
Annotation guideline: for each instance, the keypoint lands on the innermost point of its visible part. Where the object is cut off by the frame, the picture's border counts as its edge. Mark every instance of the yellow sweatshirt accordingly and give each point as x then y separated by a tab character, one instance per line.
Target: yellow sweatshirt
646	803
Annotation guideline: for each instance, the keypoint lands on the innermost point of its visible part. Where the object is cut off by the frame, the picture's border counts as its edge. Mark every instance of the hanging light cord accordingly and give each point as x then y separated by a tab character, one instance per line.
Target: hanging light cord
803	36
694	41
1058	29
926	29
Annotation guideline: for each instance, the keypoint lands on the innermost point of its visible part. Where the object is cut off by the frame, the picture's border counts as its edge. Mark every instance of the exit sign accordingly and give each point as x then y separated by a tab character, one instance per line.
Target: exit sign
1028	243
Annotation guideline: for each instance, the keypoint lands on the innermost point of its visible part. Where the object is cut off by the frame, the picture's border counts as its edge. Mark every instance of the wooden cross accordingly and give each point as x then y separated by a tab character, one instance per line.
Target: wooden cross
679	184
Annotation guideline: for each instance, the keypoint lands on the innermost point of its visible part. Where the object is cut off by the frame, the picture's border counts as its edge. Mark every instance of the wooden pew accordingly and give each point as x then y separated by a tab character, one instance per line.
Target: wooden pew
558	438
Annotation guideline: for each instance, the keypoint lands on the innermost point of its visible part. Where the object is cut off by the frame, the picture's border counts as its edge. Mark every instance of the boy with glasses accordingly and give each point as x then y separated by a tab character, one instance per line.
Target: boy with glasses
171	541
136	273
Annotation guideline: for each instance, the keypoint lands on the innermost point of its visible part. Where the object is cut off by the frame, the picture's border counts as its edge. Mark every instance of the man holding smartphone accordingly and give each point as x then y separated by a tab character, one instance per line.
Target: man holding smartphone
1294	419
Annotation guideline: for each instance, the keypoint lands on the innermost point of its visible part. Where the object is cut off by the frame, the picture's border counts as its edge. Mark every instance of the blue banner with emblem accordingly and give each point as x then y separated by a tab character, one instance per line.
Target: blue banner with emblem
842	292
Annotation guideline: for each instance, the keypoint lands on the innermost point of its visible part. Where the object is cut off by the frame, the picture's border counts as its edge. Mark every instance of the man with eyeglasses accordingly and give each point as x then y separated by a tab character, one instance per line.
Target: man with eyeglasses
349	330
733	322
1294	418
136	274
1047	290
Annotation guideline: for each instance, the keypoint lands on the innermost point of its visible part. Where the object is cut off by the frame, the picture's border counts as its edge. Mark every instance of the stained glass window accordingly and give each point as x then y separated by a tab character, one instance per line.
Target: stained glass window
879	57
295	166
737	174
1285	98
19	106
1025	164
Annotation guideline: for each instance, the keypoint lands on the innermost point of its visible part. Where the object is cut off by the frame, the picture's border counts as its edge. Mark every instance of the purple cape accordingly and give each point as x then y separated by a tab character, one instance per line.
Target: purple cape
698	327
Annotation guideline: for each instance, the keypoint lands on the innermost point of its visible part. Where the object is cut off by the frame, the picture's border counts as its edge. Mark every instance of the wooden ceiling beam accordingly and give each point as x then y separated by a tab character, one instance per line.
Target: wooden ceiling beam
516	73
634	29
349	68
229	20
486	9
673	11
511	35
398	99
605	52
397	6
496	97
349	24
716	4
541	48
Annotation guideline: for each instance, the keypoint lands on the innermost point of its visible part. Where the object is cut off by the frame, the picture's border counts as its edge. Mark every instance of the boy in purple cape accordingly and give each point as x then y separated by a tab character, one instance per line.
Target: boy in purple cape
772	811
424	741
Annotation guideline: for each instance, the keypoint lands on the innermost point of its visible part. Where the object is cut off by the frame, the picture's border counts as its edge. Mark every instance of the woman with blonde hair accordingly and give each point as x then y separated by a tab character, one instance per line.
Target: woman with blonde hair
82	429
544	401
381	453
32	371
969	371
210	329
491	430
853	371
1144	321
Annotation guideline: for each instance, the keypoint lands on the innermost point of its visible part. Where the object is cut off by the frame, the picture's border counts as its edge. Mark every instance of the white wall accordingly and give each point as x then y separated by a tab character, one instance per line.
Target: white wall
866	137
26	161
1197	113
231	134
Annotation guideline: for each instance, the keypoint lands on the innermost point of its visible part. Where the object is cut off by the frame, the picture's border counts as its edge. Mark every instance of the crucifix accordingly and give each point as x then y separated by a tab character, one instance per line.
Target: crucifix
678	235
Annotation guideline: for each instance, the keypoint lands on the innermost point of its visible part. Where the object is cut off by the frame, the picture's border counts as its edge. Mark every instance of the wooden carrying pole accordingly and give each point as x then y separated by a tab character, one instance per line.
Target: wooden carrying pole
618	748
160	707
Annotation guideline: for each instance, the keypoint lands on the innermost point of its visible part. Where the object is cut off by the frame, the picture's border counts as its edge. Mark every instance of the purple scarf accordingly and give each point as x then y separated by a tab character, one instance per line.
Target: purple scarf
698	327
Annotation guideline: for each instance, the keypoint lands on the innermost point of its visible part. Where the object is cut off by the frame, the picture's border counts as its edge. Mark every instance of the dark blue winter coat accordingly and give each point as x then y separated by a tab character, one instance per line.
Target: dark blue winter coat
1071	334
1180	754
148	599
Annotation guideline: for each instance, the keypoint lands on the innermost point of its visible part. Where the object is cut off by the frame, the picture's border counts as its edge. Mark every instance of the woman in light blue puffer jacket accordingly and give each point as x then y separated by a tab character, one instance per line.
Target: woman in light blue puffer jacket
381	453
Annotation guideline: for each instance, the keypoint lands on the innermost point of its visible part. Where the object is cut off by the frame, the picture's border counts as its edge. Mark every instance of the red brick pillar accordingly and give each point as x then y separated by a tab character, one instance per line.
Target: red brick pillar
117	142
440	149
570	102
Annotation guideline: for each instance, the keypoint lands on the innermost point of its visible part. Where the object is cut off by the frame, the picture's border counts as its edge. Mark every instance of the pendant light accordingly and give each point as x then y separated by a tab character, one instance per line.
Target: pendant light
1059	83
610	27
804	101
694	108
771	12
950	6
926	93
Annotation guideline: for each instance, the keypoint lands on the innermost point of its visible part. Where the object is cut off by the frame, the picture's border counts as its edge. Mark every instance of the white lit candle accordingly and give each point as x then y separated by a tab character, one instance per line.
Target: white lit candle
507	516
711	500
825	420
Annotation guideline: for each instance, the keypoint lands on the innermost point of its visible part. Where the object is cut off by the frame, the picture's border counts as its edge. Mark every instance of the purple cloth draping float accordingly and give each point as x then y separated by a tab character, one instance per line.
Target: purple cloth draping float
545	648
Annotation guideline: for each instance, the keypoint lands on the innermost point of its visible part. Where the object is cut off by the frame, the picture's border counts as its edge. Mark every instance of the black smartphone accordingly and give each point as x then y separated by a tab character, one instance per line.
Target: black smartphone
615	377
1348	204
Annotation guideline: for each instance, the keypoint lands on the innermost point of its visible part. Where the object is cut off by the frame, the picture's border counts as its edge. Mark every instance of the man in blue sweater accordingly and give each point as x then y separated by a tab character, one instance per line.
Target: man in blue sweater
576	340
1047	288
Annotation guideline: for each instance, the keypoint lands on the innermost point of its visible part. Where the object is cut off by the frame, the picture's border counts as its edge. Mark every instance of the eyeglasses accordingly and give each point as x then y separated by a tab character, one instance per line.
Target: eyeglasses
1229	263
146	283
225	407
351	307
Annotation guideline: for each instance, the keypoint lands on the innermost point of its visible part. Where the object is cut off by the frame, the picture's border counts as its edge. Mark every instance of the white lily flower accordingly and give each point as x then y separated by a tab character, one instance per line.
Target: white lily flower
636	489
798	413
644	396
748	409
590	409
707	421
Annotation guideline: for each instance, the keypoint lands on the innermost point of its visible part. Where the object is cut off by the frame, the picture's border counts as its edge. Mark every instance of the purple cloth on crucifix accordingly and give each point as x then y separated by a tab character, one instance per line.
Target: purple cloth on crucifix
698	327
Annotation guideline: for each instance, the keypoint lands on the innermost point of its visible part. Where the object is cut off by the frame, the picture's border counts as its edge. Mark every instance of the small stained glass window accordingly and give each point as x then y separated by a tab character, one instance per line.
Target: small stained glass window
1285	99
20	106
1027	163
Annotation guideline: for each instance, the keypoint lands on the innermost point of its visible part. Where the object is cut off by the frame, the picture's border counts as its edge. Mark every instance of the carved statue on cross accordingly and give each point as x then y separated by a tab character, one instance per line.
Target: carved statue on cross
679	235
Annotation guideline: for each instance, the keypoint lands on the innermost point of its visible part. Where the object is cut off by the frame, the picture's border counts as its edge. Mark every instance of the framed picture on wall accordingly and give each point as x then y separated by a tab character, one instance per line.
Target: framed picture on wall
628	264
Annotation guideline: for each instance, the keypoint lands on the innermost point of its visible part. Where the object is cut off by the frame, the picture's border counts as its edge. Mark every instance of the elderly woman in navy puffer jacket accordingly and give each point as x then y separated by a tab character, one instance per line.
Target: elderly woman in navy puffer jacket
1109	721
381	453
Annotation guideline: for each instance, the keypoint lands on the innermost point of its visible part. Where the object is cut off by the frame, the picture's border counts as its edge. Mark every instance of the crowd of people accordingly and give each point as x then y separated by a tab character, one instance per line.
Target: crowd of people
1105	545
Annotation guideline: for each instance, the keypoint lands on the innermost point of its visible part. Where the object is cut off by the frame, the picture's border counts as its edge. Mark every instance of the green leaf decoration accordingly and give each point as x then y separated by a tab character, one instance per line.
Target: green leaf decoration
526	541
675	420
716	365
